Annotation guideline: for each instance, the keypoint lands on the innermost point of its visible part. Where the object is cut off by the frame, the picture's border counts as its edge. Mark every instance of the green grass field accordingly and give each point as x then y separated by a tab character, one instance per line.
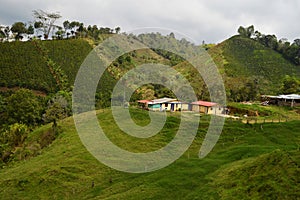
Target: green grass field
249	162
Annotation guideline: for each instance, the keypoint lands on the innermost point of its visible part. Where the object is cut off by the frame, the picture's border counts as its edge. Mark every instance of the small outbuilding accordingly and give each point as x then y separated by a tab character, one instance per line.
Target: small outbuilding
207	107
281	100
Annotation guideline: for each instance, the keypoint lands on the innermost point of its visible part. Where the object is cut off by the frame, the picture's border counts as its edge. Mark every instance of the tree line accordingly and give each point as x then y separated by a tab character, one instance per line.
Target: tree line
45	27
289	50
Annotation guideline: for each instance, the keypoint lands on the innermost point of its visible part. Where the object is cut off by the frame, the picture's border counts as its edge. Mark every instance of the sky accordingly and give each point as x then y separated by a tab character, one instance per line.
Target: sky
211	21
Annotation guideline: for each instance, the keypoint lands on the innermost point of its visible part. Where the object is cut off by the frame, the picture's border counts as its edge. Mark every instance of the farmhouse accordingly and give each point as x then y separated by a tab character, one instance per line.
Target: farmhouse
207	107
169	104
164	104
282	100
180	106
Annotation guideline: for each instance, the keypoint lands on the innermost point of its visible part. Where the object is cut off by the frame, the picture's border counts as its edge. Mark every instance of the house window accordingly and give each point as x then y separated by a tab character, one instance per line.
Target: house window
166	105
211	108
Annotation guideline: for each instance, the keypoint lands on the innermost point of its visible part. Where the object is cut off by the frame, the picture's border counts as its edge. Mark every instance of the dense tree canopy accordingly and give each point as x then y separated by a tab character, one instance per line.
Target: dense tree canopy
58	108
23	107
18	29
246	32
290	85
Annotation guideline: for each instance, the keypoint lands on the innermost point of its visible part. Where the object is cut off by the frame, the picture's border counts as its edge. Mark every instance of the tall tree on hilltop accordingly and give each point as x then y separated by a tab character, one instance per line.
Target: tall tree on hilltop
4	32
246	32
67	27
297	42
38	26
30	30
117	30
269	41
60	33
81	30
45	21
19	28
74	26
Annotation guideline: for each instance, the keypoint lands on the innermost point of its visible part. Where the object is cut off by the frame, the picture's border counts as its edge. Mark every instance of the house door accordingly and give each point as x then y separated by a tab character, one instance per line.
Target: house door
172	107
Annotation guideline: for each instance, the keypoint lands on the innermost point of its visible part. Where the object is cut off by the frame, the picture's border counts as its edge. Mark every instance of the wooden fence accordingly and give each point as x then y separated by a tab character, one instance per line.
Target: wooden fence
250	120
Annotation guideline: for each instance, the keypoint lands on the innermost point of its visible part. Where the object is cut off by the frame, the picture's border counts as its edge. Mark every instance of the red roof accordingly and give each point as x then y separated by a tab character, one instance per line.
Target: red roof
143	101
204	103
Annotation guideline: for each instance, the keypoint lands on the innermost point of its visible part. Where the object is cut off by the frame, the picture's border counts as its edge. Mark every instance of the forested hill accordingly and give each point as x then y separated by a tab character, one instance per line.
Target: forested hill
249	66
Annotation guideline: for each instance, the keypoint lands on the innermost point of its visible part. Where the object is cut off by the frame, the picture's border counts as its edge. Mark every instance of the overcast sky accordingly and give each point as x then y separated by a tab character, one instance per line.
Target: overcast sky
210	20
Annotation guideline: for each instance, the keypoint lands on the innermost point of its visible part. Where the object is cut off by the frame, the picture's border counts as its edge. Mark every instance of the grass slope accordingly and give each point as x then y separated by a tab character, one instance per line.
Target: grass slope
274	175
249	161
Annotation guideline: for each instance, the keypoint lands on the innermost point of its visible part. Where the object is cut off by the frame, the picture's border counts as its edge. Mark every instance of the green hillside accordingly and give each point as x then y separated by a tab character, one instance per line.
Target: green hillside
21	65
245	62
262	177
248	162
30	70
248	68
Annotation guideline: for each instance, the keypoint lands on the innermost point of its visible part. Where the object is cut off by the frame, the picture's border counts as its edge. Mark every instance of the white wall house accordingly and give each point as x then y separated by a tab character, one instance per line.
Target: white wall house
207	107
